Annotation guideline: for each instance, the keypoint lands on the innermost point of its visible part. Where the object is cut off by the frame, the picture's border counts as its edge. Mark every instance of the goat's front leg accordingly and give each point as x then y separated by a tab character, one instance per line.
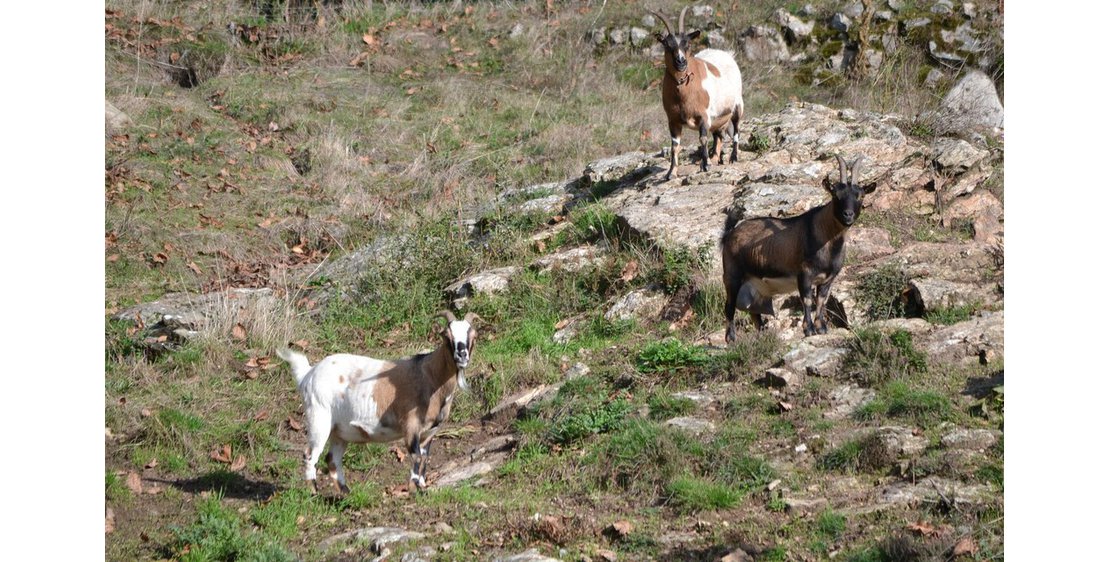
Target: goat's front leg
416	479
822	297
703	137
676	145
805	290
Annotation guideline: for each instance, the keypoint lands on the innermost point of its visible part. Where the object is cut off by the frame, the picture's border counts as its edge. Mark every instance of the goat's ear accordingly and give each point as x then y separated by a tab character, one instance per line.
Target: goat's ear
829	185
693	35
659	37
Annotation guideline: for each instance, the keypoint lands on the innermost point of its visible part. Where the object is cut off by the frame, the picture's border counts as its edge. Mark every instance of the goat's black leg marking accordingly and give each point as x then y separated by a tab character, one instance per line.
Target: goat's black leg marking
757	319
719	146
736	112
703	136
417	459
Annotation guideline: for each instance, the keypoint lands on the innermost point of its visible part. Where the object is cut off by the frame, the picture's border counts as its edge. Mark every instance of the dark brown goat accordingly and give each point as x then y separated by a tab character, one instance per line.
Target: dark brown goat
763	257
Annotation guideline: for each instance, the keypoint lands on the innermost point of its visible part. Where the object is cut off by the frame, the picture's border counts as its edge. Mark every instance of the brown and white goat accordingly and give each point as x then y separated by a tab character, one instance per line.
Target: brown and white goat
703	92
356	399
763	257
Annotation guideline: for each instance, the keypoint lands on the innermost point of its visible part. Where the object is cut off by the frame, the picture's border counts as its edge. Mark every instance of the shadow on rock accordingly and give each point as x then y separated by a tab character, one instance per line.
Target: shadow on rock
982	387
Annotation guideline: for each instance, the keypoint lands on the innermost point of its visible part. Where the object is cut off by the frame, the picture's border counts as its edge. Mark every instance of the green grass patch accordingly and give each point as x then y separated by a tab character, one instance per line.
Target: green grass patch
278	516
670	355
696	494
951	315
898	399
220	534
664	406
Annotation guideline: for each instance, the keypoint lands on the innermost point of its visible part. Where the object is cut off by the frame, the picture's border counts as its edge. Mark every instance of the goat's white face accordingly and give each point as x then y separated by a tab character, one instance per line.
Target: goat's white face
460	336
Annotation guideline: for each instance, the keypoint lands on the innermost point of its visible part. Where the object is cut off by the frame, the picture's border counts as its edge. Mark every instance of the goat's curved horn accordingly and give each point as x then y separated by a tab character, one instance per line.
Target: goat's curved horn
446	315
843	171
855	169
471	317
682	20
663	19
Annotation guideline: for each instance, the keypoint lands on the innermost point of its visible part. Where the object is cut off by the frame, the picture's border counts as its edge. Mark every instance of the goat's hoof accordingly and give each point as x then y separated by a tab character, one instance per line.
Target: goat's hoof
343	488
315	486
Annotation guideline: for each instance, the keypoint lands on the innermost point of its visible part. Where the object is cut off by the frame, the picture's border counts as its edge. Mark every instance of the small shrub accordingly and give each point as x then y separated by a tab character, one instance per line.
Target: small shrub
669	355
845	458
898	399
875	358
759	141
589	421
680	265
831	524
951	315
883	293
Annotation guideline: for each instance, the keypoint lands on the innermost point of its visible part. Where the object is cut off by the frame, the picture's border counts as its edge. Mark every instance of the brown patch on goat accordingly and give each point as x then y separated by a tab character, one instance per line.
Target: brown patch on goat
341	379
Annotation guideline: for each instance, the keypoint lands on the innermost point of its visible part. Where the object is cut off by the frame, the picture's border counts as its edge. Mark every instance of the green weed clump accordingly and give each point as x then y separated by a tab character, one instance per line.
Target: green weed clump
883	293
874	358
670	355
220	534
899	399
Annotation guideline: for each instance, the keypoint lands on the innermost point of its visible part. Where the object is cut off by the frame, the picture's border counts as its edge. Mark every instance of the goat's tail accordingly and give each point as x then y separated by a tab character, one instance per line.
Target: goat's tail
297	362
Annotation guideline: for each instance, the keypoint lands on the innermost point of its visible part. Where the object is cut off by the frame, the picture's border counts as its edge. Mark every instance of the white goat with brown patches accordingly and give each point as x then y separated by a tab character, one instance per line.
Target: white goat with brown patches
703	92
356	399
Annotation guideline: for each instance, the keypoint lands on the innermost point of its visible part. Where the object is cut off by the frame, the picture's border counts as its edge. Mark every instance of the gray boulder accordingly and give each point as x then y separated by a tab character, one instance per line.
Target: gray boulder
763	44
973	103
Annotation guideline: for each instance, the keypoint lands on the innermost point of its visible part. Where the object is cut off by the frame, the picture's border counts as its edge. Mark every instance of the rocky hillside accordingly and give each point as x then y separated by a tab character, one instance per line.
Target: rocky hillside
607	419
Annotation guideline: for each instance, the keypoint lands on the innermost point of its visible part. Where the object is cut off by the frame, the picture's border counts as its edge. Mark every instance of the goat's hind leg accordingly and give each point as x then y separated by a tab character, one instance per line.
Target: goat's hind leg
736	113
319	429
335	464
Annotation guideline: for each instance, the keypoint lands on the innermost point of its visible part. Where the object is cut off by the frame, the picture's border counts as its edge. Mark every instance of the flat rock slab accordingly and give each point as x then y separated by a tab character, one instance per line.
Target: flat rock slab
978	339
379	537
671	214
618	167
846	399
454	475
483	283
802	506
934	489
693	425
900	441
197	310
932	294
970	439
641	304
573	259
815	361
530	555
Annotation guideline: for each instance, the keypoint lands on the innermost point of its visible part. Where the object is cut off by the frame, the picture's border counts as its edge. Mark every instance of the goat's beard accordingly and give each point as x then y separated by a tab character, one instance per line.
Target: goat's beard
462	381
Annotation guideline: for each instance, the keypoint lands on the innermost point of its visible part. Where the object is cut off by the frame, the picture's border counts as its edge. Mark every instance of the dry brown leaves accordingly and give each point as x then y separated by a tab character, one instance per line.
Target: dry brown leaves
134	482
964	546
